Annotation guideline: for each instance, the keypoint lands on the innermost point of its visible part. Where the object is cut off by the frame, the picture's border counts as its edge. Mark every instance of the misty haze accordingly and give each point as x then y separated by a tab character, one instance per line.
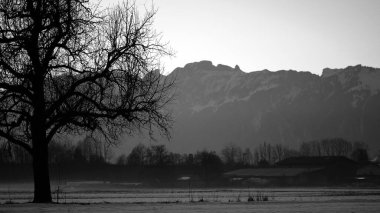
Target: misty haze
189	106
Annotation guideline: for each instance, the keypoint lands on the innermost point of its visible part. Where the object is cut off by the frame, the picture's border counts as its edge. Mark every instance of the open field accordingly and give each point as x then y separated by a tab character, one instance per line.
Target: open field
100	197
332	206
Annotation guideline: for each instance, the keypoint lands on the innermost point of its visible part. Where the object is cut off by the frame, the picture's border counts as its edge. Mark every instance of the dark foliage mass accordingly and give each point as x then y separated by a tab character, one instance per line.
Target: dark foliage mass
93	151
90	159
86	151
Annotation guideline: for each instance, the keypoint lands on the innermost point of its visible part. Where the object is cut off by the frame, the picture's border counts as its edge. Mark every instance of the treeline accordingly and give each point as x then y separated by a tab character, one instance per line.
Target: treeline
267	154
92	151
86	151
159	156
232	155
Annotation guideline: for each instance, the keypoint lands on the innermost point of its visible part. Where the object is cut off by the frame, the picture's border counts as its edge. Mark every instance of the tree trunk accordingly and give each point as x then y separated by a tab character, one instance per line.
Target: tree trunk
42	193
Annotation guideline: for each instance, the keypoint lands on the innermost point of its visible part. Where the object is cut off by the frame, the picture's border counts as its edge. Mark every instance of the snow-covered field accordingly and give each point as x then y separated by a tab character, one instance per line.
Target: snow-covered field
101	197
268	207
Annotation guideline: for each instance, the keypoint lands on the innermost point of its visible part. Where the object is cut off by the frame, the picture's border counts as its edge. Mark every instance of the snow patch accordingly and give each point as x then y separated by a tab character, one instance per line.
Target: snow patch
293	93
231	99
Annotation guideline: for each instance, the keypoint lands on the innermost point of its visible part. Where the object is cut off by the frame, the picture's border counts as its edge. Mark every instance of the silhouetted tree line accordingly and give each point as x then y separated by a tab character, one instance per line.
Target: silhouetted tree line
233	156
86	151
93	151
159	156
206	165
155	165
266	154
335	147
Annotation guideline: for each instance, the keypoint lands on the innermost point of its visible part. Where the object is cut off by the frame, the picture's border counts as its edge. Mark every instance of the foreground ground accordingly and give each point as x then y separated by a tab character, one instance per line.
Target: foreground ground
333	206
108	197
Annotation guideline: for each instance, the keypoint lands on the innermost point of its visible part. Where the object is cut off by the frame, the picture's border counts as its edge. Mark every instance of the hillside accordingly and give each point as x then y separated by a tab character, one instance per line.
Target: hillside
217	105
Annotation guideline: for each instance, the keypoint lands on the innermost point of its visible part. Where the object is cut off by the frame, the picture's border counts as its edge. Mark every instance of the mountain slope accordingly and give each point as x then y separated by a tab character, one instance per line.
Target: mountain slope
217	105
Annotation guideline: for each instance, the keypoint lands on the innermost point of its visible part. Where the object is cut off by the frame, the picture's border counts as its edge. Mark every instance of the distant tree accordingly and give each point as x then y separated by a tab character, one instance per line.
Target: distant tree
4	153
159	156
306	149
174	159
66	68
256	157
316	148
122	160
341	147
92	150
360	152
291	153
279	152
61	152
326	147
360	155
263	163
78	156
265	152
138	156
156	155
210	163
188	159
232	154
247	159
106	151
12	154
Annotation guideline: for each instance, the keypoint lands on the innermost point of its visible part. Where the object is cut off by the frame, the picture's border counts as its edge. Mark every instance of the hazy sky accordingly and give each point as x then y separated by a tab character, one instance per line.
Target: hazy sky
306	35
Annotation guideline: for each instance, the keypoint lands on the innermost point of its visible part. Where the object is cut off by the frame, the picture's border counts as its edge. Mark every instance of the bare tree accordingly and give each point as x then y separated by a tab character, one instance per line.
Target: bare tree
326	147
279	152
138	156
247	157
256	157
316	148
306	149
122	160
232	154
266	151
65	68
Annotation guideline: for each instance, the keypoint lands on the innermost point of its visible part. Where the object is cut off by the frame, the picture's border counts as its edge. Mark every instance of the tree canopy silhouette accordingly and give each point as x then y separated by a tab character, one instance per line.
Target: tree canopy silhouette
66	67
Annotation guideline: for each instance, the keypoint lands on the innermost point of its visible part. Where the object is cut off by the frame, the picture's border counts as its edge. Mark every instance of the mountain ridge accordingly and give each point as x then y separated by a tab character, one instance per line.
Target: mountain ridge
216	105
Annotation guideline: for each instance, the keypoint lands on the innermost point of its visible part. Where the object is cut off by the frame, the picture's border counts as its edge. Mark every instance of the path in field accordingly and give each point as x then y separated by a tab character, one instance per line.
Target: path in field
342	206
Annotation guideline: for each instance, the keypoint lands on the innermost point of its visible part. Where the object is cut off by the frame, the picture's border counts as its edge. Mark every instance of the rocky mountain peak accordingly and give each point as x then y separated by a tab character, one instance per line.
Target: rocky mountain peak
200	66
206	65
356	77
328	72
217	104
